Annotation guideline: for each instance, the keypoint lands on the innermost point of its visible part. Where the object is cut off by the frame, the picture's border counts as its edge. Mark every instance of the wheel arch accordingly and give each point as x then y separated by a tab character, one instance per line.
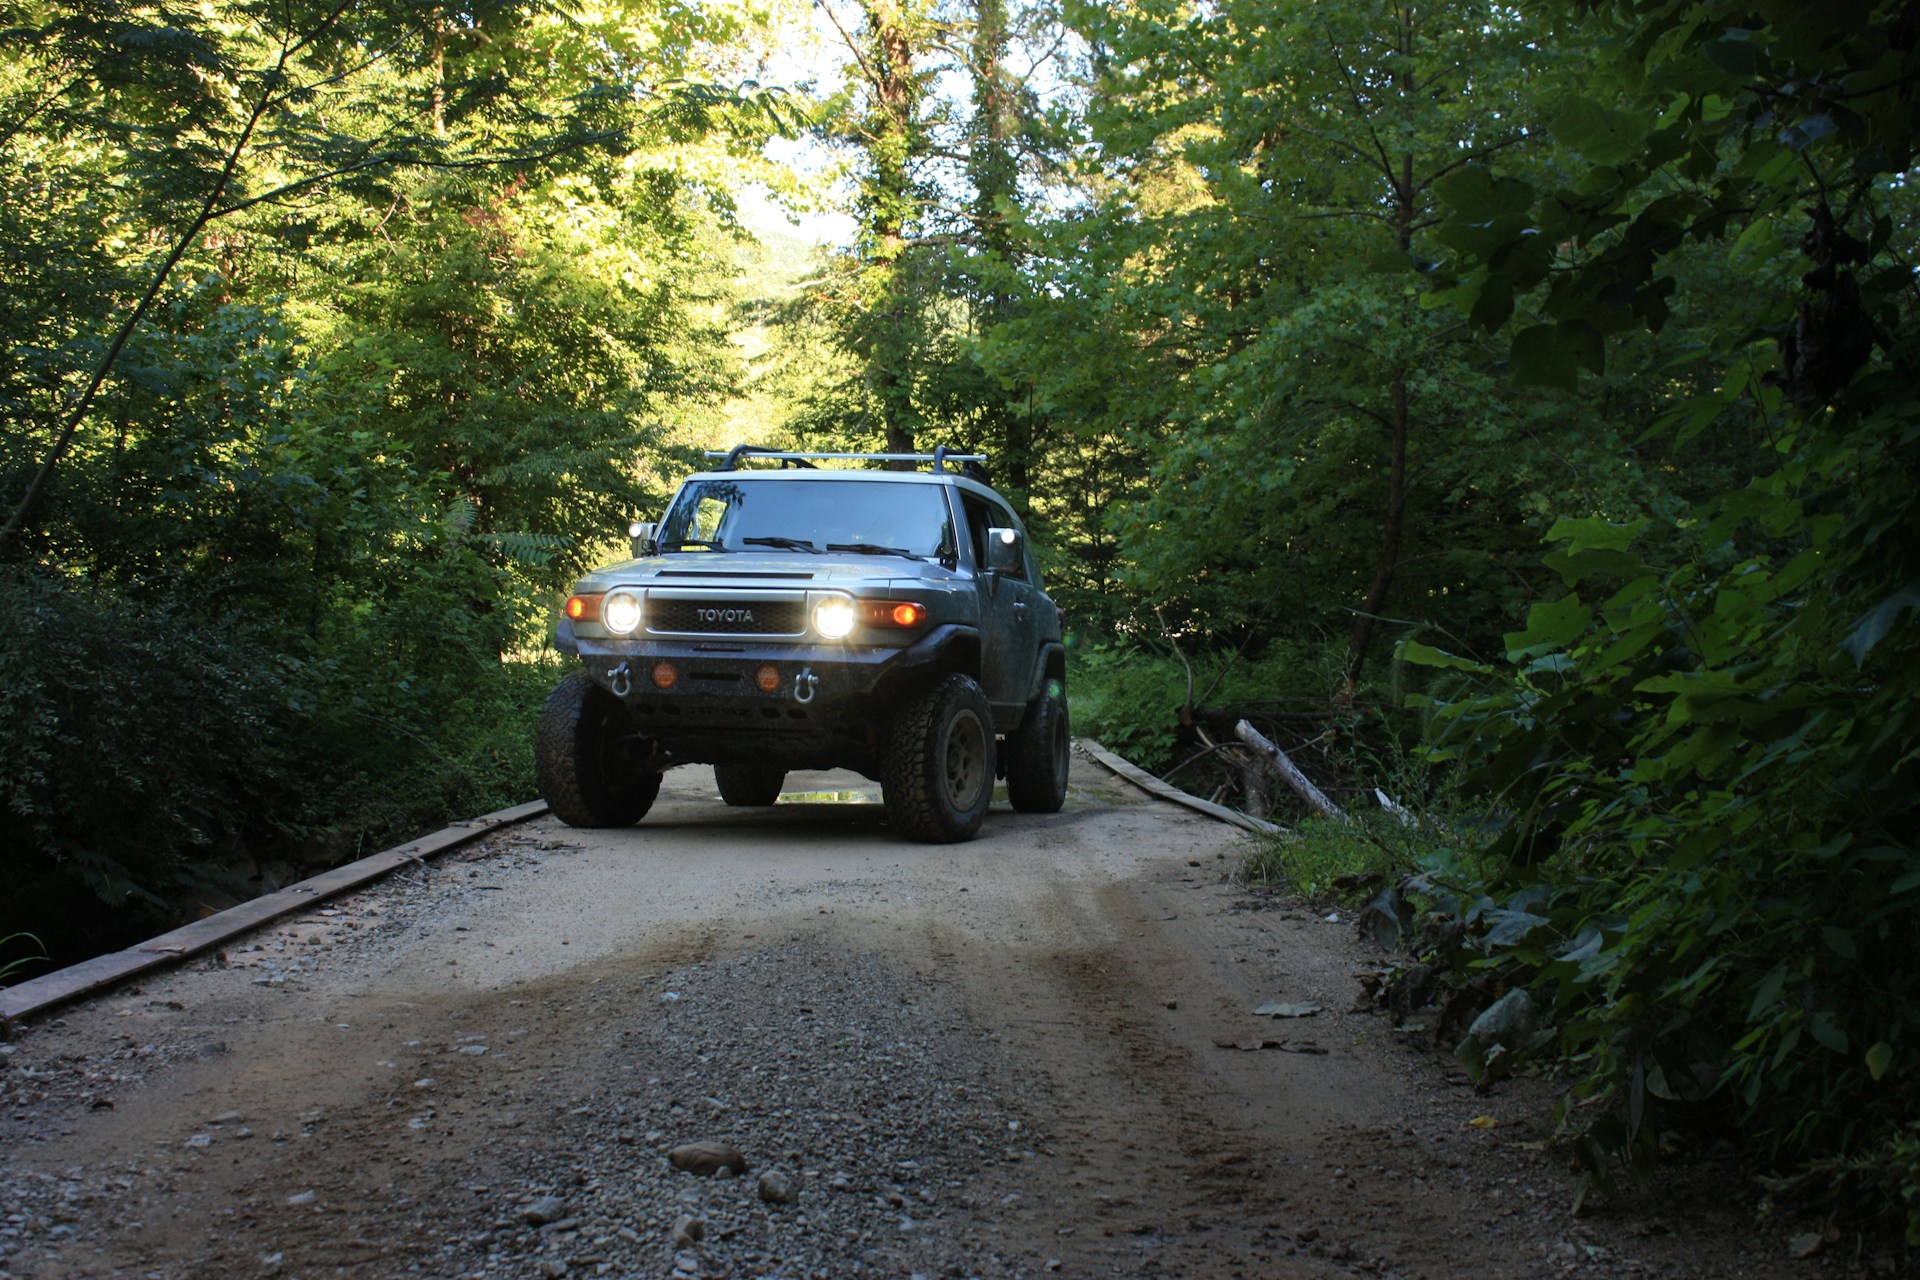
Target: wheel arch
947	650
1052	666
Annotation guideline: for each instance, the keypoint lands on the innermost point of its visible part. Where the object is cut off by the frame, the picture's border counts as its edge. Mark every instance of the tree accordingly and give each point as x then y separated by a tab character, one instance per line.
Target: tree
1333	430
259	108
889	128
336	336
1697	749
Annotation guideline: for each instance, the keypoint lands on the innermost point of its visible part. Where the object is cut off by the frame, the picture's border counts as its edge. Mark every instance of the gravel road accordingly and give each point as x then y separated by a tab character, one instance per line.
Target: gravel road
1028	1055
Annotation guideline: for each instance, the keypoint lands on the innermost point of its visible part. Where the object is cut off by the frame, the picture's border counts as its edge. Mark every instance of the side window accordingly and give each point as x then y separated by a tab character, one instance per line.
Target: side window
1004	518
978	521
981	516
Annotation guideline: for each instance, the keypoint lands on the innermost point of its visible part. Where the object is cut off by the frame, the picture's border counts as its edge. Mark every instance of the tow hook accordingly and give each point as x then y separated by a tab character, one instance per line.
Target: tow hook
620	680
804	685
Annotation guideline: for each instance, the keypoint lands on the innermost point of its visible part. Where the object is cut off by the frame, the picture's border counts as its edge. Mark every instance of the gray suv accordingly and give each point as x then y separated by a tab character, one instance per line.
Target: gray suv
785	615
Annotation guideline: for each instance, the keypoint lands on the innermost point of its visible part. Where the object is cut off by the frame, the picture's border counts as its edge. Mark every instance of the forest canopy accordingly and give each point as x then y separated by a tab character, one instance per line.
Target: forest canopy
1523	398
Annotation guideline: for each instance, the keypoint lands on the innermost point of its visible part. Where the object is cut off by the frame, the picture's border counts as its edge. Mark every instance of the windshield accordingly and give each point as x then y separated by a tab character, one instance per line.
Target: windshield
798	515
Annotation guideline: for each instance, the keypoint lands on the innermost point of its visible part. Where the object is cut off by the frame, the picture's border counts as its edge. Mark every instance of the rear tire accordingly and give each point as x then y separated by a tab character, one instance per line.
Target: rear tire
592	765
938	776
749	785
1039	753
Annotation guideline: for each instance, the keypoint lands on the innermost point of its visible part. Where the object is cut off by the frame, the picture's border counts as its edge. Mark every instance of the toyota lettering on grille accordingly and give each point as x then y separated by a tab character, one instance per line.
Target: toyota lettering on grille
725	615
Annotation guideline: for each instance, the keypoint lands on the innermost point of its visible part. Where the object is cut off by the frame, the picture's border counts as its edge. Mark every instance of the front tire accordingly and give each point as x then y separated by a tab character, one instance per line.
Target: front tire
749	785
592	765
1039	753
938	777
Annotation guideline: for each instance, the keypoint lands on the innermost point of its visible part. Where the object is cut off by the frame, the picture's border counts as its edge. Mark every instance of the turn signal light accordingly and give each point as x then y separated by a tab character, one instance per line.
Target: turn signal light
895	613
664	675
583	608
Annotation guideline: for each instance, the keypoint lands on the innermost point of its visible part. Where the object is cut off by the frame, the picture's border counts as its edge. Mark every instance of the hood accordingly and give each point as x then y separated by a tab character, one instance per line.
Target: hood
735	569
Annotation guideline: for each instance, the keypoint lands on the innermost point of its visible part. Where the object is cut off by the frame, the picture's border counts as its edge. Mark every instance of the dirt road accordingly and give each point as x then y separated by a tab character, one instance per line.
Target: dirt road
996	1059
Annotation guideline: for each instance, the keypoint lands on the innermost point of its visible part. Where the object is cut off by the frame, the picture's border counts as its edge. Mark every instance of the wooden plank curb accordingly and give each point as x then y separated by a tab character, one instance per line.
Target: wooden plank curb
1166	791
25	999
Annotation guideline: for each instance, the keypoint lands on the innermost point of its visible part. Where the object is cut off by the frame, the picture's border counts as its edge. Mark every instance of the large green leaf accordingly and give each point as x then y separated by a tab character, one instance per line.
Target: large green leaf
1602	134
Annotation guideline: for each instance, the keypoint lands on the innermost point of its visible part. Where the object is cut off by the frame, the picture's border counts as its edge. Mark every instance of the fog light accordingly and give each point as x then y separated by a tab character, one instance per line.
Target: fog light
834	618
767	678
620	612
664	675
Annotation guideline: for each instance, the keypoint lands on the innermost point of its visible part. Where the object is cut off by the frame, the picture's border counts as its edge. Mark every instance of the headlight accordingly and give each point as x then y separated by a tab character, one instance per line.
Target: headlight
834	618
620	612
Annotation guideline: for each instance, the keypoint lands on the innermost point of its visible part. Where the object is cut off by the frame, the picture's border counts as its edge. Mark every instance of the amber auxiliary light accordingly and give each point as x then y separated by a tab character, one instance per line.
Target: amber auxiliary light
894	613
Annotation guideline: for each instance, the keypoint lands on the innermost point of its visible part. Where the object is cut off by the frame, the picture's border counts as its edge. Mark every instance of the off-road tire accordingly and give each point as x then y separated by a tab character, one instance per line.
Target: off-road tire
937	779
592	766
749	785
1038	755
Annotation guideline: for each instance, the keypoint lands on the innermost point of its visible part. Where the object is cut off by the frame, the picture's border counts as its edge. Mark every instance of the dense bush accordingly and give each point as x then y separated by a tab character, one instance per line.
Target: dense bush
1704	858
1130	696
1697	762
134	741
147	748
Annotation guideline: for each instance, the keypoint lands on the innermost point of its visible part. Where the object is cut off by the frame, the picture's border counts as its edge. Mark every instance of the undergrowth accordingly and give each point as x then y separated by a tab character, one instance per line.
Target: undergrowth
1326	859
149	742
1129	696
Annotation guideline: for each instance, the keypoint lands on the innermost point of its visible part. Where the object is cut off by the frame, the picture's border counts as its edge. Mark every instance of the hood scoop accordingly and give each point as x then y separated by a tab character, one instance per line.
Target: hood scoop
711	574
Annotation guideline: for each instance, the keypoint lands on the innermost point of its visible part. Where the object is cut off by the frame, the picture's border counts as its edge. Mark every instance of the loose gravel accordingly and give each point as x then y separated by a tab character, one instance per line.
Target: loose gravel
551	1053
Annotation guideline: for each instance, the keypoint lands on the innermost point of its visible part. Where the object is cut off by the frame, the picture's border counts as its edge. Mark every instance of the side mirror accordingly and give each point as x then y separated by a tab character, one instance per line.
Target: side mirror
1006	552
642	536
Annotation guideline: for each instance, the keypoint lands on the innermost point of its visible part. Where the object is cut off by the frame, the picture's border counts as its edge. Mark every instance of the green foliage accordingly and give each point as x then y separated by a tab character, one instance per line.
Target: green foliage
144	744
133	740
1699	767
338	340
17	963
1130	696
1698	780
1230	348
1129	700
1325	859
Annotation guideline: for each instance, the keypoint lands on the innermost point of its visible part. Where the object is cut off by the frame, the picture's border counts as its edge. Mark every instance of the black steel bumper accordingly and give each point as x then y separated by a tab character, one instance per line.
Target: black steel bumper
826	706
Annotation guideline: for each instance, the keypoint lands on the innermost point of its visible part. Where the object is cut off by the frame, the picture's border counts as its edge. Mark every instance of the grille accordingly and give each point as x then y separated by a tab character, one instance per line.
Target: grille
726	617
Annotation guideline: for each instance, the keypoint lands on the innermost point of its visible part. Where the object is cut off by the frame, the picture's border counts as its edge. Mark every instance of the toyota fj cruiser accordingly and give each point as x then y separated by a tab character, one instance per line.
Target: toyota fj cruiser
785	615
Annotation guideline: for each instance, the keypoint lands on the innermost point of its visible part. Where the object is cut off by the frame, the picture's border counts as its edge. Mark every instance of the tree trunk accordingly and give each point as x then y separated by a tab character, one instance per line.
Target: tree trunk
1360	639
994	173
889	201
438	106
1406	209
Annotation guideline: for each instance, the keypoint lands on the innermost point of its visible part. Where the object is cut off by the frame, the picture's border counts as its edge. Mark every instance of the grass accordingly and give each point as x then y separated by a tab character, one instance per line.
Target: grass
1320	857
18	963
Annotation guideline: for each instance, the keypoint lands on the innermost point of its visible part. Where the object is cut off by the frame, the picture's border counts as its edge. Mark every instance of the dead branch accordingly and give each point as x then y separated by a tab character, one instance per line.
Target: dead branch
1289	772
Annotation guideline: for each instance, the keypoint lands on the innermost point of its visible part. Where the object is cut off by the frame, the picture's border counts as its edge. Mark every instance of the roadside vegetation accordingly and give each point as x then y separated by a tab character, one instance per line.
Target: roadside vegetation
1509	416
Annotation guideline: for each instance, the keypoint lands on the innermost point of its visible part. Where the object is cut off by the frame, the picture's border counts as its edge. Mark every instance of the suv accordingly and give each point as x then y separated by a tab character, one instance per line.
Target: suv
788	616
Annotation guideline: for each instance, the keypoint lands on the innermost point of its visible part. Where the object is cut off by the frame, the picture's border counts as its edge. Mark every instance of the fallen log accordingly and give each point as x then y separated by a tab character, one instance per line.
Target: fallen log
1289	772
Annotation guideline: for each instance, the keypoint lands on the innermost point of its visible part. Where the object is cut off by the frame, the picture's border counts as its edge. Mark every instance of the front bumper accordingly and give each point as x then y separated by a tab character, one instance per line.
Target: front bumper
827	706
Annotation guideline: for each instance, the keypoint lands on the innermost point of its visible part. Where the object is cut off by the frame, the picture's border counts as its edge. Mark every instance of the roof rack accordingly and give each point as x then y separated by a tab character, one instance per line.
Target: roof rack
972	465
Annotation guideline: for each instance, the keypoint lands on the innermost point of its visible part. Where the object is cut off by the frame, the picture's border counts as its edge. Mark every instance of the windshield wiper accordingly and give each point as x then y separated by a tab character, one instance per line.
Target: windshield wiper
872	549
790	544
681	544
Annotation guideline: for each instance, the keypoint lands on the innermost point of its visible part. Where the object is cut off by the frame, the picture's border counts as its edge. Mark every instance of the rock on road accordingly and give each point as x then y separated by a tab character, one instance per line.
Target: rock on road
1028	1055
